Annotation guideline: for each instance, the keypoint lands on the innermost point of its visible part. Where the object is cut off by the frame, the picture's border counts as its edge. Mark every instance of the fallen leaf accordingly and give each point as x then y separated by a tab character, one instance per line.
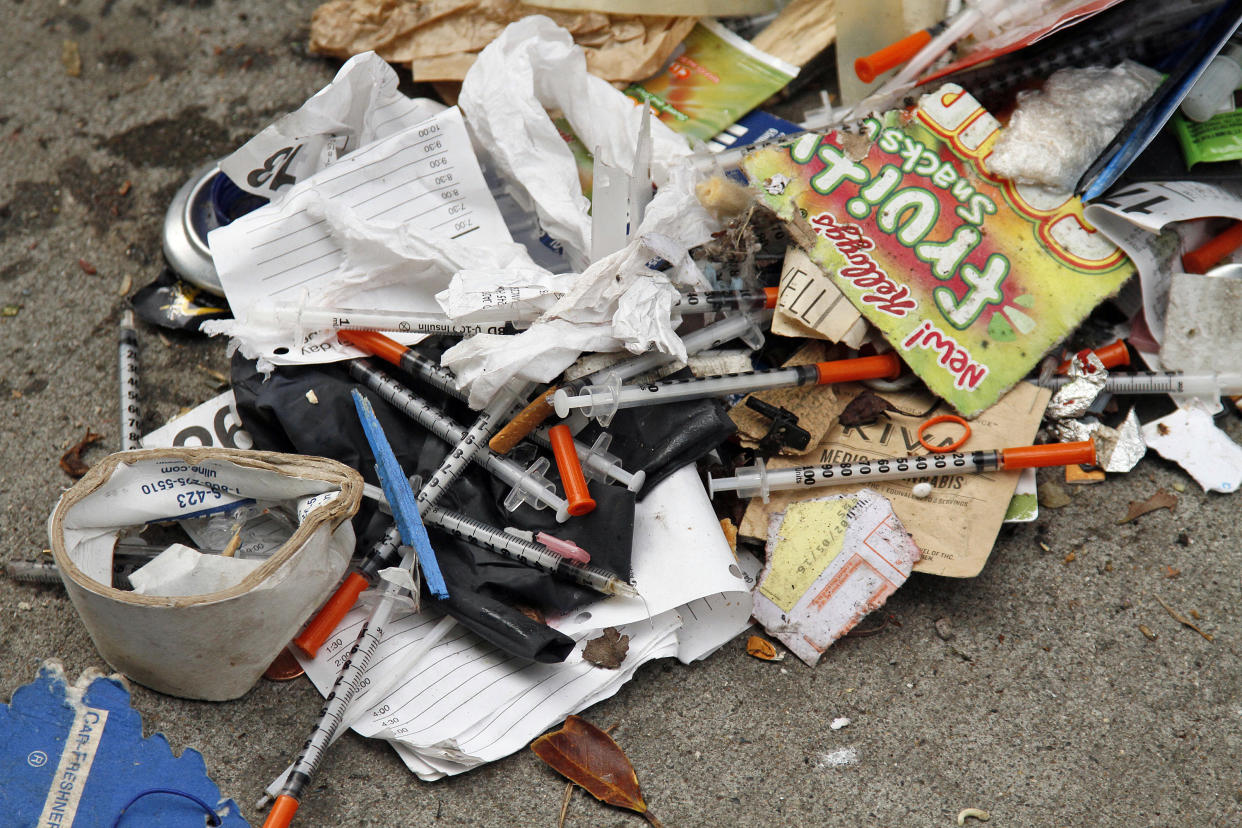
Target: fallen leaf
71	461
608	650
1052	496
1170	572
763	649
588	756
864	409
87	267
1160	500
1183	620
569	793
71	58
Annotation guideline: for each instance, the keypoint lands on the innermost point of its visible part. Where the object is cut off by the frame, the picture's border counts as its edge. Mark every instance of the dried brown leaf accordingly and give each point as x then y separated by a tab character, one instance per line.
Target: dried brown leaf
864	409
569	793
1183	620
71	461
1160	500
87	267
763	649
608	650
71	58
588	756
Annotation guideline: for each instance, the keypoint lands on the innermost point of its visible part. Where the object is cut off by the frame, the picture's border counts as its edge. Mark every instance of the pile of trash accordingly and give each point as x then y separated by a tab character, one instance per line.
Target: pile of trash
594	361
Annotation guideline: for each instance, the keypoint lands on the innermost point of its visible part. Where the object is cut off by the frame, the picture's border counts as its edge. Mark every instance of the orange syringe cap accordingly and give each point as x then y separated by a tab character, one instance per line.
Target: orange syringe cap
375	344
1053	454
869	67
882	366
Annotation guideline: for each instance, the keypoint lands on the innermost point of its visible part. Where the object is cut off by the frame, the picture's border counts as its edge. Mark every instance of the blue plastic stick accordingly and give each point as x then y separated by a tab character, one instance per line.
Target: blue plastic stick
400	497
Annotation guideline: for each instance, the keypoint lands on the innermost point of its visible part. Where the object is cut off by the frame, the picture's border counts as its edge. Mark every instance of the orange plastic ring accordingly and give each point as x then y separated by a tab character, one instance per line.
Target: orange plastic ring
944	418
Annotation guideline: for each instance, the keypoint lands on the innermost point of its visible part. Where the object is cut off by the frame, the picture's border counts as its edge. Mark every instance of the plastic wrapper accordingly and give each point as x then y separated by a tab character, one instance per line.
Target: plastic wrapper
1057	132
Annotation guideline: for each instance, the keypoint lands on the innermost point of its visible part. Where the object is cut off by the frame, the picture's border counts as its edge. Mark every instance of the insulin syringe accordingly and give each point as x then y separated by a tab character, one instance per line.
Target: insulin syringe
305	318
602	401
531	553
529	485
1164	382
759	480
597	462
537	553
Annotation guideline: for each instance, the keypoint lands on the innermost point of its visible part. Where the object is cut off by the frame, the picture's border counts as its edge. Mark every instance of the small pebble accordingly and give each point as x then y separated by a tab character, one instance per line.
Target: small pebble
312	397
839	722
922	490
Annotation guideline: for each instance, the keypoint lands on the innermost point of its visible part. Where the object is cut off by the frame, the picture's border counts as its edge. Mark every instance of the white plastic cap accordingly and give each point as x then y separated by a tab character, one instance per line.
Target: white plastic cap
1213	91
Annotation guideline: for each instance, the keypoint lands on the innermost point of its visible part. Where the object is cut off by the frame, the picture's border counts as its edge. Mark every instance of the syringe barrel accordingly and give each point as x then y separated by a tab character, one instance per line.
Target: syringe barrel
445	429
1172	382
749	481
694	388
759	480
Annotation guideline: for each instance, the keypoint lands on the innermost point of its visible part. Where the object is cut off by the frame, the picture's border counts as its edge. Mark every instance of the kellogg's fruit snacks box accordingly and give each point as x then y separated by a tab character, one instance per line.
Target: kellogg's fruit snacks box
970	277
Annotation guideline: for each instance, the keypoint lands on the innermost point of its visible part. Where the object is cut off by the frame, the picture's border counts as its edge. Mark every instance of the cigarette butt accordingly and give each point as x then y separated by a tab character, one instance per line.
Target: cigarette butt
723	198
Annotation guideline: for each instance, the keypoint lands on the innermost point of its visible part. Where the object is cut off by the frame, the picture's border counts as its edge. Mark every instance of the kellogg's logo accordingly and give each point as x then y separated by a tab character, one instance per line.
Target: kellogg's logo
862	271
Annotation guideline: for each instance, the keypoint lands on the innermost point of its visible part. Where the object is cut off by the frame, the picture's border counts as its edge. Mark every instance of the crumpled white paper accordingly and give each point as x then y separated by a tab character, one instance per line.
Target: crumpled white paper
533	67
359	106
1189	438
616	302
180	570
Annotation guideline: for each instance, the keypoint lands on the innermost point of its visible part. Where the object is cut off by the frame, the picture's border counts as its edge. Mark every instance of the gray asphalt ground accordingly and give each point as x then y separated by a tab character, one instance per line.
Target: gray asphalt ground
1048	707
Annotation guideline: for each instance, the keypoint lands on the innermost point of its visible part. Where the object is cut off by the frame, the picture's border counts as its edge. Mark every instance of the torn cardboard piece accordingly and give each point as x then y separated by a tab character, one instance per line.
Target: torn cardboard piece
971	280
831	560
802	30
1201	330
440	39
809	304
1189	438
815	406
957	525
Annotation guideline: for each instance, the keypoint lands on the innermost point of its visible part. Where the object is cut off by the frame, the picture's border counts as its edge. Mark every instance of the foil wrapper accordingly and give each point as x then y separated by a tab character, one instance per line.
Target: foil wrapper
1075	397
1116	449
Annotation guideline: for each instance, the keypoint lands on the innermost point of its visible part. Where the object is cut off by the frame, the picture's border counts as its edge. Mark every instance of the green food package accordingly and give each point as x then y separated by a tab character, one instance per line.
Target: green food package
715	78
1219	138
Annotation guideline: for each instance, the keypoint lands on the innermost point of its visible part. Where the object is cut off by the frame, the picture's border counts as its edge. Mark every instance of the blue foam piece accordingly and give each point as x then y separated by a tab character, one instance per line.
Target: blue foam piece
400	497
76	757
